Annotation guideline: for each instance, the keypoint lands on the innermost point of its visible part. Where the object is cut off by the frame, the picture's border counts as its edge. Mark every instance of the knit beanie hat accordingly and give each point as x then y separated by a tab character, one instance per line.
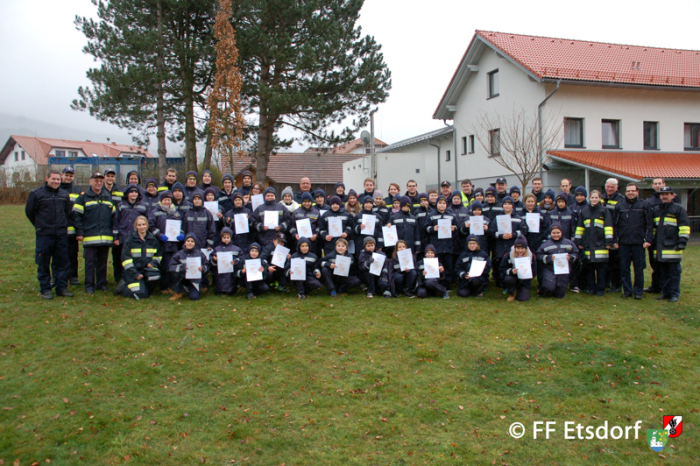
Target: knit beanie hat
405	200
288	190
305	197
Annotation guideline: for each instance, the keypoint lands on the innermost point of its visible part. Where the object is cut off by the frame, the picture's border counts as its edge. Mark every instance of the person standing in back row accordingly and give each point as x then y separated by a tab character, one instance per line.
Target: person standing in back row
48	208
92	215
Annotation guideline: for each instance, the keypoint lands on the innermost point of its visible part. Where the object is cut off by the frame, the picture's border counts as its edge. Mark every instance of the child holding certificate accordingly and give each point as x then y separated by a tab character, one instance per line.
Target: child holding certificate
443	244
179	265
555	275
517	269
403	275
224	277
429	275
331	279
475	210
163	215
473	267
363	229
277	272
243	235
406	224
375	283
254	288
333	225
504	239
313	274
261	220
300	216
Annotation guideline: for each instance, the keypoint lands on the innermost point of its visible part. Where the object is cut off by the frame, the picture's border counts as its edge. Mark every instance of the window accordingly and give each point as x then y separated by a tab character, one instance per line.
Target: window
691	133
417	170
60	153
471	144
72	153
493	84
23	155
448	156
573	132
651	138
464	145
16	156
495	142
368	151
611	134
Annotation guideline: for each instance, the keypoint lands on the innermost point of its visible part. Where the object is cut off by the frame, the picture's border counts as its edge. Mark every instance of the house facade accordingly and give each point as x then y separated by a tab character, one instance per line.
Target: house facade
620	111
26	158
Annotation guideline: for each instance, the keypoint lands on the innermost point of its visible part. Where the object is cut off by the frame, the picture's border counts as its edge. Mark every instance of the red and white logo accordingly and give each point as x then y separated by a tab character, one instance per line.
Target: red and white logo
674	425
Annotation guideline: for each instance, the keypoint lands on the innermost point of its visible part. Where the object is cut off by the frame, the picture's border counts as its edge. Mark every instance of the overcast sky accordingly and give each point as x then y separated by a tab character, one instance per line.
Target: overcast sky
422	42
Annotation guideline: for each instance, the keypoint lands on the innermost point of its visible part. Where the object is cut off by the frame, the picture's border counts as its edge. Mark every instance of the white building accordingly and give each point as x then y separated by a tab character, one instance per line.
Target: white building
24	158
628	112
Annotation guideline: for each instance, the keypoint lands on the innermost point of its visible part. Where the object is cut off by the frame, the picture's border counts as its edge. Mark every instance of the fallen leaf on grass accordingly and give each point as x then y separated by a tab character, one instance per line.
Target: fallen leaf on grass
126	457
461	407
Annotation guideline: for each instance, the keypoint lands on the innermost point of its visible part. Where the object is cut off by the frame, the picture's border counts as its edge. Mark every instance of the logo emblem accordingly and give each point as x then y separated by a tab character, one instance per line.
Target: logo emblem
673	425
657	439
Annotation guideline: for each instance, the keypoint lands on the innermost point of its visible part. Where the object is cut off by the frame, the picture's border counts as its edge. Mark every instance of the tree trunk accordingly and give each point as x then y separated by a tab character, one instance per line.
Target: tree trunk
160	103
206	164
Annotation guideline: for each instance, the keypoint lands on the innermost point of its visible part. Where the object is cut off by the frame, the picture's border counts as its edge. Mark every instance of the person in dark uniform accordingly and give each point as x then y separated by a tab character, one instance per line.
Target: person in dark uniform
654	200
48	208
67	178
92	215
611	198
670	239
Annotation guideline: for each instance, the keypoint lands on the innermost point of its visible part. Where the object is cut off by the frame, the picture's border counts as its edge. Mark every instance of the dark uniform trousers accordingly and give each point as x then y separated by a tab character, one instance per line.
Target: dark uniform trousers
117	262
96	258
670	279
52	254
632	254
72	258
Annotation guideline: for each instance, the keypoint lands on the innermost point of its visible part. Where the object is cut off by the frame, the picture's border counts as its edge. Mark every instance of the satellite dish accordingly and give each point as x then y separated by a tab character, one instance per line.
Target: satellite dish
366	138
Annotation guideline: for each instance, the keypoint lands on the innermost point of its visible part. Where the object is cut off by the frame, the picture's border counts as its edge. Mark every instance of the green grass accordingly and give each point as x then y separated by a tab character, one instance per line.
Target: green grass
347	381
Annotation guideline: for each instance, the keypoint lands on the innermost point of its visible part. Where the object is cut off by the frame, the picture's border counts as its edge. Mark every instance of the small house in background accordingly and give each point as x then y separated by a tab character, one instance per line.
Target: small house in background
26	158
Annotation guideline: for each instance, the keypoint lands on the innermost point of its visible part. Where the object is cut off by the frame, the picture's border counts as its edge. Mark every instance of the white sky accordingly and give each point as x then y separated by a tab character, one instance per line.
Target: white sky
422	42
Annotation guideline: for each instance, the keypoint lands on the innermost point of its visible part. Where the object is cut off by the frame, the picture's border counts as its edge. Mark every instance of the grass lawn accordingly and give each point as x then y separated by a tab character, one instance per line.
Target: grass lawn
106	380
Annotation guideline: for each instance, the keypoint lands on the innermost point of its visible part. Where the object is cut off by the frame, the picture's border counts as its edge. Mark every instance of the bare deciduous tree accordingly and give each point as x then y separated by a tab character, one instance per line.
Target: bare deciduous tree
516	141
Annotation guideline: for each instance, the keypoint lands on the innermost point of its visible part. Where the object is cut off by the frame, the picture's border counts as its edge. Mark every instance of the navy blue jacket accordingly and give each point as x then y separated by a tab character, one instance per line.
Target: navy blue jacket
49	211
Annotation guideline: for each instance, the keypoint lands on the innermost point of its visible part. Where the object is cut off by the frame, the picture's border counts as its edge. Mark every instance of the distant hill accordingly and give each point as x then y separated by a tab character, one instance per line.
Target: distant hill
22	126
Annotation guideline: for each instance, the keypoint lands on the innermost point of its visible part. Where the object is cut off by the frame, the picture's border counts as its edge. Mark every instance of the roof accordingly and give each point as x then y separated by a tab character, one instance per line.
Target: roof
292	167
548	58
352	145
636	165
438	133
38	148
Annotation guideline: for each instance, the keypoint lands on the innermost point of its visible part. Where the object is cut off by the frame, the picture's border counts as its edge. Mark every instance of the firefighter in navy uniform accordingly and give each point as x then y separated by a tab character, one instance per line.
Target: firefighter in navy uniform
652	201
93	214
611	198
48	208
67	178
671	234
117	196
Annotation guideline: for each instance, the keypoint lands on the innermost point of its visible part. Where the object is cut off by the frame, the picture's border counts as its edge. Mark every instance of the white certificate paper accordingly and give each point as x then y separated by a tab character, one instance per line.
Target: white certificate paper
391	237
524	267
369	222
476	225
193	265
172	229
279	257
240	221
504	224
304	228
444	228
213	207
375	268
432	266
405	259
206	252
223	262
533	222
335	226
342	266
257	201
298	270
272	219
476	268
561	264
252	270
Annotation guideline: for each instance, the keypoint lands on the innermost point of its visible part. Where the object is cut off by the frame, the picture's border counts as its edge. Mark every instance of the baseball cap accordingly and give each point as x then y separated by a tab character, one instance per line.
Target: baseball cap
445	183
666	189
68	170
110	171
501	180
281	237
97	175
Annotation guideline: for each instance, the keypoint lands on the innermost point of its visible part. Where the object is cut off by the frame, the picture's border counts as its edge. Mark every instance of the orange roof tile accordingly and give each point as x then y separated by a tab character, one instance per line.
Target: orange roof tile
548	57
637	165
39	148
291	167
350	146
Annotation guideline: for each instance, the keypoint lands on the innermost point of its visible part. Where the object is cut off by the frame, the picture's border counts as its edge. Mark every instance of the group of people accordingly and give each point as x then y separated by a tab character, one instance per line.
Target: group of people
182	239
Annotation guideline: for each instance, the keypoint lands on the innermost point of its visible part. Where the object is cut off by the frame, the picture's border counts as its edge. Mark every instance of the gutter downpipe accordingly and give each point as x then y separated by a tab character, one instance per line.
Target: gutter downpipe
438	160
373	158
454	140
539	127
